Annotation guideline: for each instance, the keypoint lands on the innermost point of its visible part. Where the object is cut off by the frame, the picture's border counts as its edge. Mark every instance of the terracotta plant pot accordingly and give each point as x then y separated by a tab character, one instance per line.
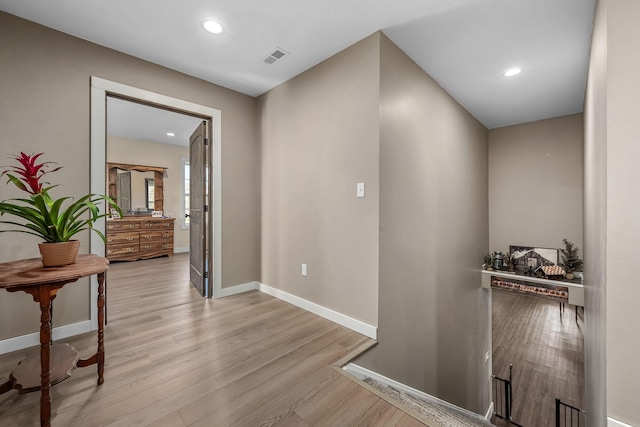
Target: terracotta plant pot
59	254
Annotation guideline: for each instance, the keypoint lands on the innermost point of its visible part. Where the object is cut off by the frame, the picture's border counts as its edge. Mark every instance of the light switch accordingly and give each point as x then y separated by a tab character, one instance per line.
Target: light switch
360	189
304	270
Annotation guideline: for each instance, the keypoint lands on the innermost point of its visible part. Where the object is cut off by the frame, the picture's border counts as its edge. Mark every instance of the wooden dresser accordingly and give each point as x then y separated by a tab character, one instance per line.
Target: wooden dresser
133	238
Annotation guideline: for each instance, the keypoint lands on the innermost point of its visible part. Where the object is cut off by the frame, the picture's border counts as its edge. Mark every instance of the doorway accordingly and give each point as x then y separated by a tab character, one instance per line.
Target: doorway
100	90
149	153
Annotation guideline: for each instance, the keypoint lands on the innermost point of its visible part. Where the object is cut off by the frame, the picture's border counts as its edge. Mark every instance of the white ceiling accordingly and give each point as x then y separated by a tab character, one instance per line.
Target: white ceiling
465	45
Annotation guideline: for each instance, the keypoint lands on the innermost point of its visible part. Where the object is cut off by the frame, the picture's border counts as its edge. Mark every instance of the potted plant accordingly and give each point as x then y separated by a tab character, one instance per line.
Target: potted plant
41	215
569	259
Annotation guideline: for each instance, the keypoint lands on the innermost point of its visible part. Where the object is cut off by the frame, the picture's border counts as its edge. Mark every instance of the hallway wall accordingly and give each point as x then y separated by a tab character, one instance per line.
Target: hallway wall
434	326
319	135
45	107
535	184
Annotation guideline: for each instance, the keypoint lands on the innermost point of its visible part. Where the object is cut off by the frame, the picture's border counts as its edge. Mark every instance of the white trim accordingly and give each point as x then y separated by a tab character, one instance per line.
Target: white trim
98	181
181	250
100	88
216	210
183	194
489	413
339	318
238	289
361	372
615	423
30	340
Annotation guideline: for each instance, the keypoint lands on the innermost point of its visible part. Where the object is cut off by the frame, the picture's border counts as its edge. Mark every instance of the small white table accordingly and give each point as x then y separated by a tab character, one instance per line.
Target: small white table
575	290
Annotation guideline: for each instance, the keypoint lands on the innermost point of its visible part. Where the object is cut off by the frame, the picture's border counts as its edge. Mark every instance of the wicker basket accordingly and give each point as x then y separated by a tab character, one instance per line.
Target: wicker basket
59	254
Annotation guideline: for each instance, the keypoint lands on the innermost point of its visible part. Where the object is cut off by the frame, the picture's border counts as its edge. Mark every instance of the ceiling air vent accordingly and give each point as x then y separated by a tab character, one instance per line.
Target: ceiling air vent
275	56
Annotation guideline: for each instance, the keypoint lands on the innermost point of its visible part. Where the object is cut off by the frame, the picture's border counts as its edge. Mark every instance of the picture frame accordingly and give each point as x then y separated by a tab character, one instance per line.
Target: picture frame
529	258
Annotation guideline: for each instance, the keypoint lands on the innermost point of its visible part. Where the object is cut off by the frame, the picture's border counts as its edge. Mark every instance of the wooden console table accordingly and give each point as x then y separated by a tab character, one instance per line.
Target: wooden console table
56	360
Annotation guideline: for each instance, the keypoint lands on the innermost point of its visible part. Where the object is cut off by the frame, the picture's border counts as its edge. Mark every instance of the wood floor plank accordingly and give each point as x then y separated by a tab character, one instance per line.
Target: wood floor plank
380	413
171	420
175	359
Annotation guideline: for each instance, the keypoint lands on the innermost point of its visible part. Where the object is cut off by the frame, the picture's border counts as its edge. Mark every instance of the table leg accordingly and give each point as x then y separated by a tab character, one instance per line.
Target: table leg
100	355
45	354
6	387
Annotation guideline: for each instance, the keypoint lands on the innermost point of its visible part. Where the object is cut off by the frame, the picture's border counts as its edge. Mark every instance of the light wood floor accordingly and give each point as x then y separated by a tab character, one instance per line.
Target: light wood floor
174	359
547	353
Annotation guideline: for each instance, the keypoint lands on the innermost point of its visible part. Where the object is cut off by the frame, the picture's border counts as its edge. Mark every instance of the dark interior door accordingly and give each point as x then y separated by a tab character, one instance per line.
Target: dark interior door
198	212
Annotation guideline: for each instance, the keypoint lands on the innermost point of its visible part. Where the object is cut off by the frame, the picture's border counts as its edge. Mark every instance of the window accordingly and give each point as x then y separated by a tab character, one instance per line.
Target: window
149	185
185	194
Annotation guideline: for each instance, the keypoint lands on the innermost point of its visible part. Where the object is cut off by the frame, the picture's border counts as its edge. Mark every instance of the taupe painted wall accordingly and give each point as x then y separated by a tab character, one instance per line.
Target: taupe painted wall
434	319
44	106
535	183
623	210
319	135
595	224
612	209
136	152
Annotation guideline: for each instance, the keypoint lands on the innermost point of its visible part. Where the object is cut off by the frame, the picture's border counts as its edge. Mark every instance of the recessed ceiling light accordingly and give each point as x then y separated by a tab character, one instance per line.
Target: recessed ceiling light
171	134
512	72
213	27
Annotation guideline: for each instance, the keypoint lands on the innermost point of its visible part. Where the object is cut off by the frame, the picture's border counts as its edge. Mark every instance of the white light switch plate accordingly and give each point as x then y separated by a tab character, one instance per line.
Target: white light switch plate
360	189
304	270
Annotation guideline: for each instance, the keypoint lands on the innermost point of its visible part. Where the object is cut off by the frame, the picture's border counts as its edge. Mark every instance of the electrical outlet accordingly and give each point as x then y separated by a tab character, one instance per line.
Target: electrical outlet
360	189
304	270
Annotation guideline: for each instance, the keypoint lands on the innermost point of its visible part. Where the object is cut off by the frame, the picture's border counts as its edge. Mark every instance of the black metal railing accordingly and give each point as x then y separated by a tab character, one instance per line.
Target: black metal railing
503	396
569	416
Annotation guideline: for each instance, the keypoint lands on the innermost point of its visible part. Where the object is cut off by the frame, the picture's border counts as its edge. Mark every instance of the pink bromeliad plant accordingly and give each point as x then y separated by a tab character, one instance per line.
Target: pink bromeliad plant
40	214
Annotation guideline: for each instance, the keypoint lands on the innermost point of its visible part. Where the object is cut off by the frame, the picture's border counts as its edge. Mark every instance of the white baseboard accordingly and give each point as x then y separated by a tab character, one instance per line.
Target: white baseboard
361	373
181	250
615	423
238	289
339	318
29	340
489	413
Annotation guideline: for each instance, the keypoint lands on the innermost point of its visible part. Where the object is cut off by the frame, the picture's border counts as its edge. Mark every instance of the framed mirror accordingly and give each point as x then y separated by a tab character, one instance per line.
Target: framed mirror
137	189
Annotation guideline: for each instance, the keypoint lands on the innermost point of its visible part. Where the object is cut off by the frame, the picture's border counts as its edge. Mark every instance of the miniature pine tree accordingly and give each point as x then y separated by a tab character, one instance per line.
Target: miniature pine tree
570	260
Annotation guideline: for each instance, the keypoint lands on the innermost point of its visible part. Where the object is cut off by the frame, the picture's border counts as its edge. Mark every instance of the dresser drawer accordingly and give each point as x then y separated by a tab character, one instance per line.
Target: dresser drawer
123	238
155	236
156	225
161	246
115	226
134	238
122	249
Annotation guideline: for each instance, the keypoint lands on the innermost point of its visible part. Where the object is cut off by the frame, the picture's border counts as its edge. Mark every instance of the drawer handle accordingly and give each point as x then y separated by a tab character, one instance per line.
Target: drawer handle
109	251
130	249
109	239
110	226
148	237
148	225
147	247
166	236
167	224
130	238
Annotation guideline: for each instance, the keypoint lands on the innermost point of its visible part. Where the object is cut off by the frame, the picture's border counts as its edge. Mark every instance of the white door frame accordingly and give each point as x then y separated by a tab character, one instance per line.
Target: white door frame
100	89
